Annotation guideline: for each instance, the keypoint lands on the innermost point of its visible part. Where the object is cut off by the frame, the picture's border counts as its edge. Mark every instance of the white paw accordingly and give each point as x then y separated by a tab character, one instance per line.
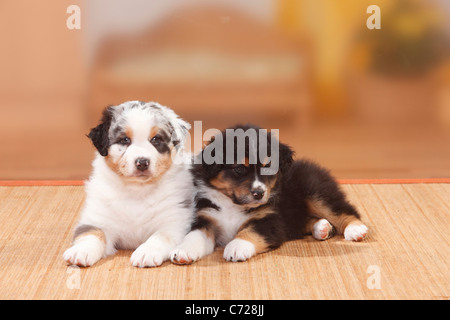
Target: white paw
355	232
147	256
322	230
195	246
183	256
239	250
85	252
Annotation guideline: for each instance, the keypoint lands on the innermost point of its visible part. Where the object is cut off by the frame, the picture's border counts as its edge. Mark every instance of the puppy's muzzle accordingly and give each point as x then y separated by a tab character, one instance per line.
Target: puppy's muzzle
142	164
257	194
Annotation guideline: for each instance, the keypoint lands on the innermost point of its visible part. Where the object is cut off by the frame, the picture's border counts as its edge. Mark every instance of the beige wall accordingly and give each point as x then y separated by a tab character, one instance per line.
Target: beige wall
39	56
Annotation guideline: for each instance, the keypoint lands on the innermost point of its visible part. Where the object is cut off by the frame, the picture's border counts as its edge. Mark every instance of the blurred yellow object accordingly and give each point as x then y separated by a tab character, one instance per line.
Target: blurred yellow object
409	26
328	26
360	56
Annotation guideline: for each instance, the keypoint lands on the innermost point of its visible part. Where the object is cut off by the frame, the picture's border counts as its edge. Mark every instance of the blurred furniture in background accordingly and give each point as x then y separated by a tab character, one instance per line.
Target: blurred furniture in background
206	63
376	102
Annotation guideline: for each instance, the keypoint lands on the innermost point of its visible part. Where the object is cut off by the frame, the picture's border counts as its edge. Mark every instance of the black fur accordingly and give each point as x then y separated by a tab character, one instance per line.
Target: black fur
201	223
271	227
286	213
100	134
305	180
202	203
161	142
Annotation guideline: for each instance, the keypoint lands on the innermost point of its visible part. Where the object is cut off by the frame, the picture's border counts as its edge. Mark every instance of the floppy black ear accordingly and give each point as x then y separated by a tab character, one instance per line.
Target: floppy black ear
203	170
286	157
211	170
99	134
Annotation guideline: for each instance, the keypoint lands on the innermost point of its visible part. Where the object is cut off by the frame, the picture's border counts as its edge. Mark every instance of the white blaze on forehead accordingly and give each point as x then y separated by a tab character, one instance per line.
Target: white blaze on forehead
140	123
258	185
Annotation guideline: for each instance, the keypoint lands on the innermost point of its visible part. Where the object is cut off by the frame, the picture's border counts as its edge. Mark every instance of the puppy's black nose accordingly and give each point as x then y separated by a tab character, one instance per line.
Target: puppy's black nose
258	194
142	164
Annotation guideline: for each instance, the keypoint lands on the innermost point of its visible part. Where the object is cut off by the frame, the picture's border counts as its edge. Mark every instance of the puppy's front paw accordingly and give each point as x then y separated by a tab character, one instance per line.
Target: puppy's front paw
83	255
239	250
355	232
195	246
182	256
147	256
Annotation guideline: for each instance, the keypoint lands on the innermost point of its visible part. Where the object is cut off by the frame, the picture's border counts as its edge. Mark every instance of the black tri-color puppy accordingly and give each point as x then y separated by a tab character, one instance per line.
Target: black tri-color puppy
251	204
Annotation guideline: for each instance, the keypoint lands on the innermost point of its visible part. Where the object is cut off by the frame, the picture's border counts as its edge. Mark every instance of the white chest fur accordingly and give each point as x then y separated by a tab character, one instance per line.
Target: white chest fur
130	213
230	217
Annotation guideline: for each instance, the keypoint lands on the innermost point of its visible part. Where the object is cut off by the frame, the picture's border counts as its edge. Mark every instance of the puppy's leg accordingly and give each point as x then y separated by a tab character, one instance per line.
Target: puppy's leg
198	243
154	251
342	215
256	236
89	246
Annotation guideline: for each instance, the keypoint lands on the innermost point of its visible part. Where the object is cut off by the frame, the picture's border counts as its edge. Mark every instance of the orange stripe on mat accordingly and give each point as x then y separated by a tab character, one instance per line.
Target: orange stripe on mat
393	181
24	183
18	183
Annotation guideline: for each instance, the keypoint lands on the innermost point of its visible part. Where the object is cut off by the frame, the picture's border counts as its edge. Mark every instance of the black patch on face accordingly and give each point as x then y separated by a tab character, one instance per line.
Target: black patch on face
162	148
99	134
161	142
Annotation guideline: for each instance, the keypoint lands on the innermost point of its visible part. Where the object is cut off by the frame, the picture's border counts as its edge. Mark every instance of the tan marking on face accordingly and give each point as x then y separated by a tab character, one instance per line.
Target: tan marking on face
265	162
113	164
129	133
222	184
339	221
242	190
270	184
163	163
153	132
245	162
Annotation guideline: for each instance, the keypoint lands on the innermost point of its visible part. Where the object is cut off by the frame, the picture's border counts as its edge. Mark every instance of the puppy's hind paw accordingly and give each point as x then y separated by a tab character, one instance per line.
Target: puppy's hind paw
355	232
322	230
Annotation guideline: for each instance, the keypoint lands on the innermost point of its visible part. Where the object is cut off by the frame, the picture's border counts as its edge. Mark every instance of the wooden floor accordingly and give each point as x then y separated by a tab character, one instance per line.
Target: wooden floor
406	255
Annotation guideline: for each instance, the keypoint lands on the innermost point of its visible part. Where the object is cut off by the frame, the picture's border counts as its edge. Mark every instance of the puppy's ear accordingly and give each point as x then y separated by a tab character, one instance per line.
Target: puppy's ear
181	128
100	134
178	126
205	170
286	157
210	171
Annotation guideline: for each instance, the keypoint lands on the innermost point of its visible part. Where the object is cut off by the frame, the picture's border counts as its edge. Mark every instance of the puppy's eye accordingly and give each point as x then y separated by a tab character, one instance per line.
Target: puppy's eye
240	170
125	141
156	140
